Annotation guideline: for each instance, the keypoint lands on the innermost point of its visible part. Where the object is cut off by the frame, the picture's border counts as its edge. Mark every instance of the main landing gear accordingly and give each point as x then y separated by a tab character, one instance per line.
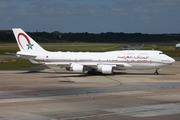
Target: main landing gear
93	72
156	72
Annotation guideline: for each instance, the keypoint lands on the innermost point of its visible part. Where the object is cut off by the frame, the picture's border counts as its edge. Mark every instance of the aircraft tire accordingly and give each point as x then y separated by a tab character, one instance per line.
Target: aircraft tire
156	73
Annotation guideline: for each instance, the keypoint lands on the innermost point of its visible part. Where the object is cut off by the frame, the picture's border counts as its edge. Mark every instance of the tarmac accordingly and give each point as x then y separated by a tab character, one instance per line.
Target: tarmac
56	94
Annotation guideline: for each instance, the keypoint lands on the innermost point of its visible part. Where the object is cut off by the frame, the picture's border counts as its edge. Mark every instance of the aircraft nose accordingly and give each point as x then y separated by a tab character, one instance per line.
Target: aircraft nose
172	60
168	60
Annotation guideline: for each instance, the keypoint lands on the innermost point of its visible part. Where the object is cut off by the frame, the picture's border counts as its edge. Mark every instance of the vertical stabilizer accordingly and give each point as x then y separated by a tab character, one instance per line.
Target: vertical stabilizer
25	42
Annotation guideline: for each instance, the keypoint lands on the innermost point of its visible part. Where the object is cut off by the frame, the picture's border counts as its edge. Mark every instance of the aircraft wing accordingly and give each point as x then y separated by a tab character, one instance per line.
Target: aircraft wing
68	64
90	65
123	65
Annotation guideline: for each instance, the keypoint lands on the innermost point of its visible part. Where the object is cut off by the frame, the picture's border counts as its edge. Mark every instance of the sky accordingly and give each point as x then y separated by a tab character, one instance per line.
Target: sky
93	16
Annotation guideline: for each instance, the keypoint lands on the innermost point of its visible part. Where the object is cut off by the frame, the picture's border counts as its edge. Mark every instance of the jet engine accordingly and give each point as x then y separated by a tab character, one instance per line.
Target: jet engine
77	68
105	69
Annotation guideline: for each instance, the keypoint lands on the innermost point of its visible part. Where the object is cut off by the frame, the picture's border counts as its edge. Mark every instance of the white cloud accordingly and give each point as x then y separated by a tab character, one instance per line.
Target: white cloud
3	6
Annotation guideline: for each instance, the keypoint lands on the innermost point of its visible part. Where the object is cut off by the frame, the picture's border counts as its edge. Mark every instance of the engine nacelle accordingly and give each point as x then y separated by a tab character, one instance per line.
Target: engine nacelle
105	69
77	68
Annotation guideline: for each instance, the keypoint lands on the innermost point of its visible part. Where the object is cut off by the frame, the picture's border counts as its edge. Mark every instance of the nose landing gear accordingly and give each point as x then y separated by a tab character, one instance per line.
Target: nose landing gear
156	72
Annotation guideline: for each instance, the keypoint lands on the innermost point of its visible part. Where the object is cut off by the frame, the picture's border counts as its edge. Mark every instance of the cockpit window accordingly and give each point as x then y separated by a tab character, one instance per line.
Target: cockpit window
161	53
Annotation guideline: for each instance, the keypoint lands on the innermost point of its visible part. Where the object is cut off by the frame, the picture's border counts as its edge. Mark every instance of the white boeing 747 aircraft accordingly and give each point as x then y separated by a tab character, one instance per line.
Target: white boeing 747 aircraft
90	62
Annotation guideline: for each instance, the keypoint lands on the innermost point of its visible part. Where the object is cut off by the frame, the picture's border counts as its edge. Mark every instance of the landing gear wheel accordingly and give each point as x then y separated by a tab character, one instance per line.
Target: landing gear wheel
93	72
90	73
156	72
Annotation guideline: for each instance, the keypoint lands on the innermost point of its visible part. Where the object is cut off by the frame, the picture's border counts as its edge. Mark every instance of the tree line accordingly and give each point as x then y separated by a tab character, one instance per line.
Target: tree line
109	37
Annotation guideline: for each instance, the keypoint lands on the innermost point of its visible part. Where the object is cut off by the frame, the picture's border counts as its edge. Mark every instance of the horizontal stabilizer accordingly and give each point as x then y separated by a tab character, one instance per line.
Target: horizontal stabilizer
26	55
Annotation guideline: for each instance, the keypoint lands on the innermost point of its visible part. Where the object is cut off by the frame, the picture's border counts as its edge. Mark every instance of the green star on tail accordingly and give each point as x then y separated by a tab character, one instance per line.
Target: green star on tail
30	46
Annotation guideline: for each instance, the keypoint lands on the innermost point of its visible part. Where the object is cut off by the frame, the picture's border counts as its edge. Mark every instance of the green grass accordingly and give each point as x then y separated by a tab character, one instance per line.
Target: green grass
159	46
168	49
172	53
97	48
8	47
75	47
16	64
81	47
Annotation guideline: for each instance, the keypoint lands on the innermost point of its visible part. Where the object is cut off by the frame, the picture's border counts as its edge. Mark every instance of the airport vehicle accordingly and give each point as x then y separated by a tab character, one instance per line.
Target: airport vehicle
90	62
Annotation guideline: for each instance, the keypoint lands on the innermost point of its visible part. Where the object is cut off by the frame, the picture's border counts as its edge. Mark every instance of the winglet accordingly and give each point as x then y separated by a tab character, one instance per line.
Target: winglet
25	42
